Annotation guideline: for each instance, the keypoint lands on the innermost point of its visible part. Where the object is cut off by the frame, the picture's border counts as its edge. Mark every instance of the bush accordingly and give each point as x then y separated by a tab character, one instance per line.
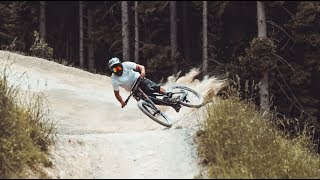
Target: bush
25	133
237	142
40	48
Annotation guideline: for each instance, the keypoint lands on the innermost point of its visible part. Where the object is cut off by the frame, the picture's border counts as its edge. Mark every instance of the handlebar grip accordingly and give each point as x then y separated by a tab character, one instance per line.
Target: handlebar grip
126	101
133	89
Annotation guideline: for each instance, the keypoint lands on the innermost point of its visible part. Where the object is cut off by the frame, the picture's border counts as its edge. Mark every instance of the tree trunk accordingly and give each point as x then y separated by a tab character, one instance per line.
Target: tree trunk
81	49
186	39
125	30
67	48
173	34
262	33
90	48
136	33
43	20
205	39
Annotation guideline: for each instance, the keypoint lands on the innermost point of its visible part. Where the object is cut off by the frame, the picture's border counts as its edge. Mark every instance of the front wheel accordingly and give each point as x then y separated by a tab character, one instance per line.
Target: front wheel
154	113
188	96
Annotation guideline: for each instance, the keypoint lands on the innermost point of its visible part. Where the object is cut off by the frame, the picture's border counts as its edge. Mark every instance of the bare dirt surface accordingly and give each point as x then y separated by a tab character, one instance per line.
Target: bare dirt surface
96	137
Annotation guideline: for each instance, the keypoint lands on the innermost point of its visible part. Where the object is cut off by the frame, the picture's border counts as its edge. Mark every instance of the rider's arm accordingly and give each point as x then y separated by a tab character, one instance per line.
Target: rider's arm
141	69
119	98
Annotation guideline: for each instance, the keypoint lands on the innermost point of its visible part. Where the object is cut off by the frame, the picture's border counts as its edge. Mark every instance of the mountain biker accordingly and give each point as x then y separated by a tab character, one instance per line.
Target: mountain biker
124	74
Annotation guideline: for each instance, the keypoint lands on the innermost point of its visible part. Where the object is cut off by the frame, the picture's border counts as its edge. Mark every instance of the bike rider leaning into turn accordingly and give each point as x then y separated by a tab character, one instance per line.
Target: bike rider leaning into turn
125	74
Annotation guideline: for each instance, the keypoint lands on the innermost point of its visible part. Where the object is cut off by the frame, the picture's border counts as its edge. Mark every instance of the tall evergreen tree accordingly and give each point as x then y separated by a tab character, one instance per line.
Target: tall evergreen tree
81	37
91	62
43	20
262	33
125	31
205	38
136	33
186	31
173	34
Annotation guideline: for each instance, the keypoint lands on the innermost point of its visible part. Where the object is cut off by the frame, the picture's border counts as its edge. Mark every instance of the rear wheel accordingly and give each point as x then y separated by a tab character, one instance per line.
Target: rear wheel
154	113
192	98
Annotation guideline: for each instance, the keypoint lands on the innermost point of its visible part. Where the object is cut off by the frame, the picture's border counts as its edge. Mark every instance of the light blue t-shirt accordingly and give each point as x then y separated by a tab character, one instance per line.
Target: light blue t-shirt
128	77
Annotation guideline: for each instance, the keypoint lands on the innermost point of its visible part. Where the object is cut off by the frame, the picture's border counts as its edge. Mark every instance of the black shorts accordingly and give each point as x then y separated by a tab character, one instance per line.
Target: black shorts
149	87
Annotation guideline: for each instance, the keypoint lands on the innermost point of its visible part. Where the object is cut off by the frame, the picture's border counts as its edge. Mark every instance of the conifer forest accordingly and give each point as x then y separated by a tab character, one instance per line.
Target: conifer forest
271	49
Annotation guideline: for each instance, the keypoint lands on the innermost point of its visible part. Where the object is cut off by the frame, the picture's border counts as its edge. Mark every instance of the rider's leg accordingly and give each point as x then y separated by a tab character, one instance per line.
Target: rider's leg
145	85
176	107
163	91
151	87
158	89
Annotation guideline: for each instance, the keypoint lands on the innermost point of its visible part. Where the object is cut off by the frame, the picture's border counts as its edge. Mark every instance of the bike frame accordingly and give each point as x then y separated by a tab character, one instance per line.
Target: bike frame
143	95
150	98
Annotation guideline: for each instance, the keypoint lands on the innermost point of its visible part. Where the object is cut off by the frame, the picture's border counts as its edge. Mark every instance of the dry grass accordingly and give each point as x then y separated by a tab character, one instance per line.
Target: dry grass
237	142
25	132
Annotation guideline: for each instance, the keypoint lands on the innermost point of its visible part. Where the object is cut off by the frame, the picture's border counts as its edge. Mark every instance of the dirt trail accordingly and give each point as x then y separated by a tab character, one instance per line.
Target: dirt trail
99	139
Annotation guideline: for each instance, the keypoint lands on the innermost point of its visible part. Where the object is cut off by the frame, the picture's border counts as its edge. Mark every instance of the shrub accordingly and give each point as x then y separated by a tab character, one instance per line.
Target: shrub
40	48
25	132
237	142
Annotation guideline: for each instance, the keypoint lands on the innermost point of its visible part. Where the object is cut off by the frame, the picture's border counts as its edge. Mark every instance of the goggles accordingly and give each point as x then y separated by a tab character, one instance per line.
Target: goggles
117	69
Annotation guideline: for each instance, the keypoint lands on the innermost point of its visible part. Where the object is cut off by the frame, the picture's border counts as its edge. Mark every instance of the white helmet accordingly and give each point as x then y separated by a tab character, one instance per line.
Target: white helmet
113	61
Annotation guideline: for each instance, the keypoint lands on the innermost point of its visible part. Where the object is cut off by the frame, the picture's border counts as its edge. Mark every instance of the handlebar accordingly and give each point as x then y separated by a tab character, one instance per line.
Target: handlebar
134	87
126	101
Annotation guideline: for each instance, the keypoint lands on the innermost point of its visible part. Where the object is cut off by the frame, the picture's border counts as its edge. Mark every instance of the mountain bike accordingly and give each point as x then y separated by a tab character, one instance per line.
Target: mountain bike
181	94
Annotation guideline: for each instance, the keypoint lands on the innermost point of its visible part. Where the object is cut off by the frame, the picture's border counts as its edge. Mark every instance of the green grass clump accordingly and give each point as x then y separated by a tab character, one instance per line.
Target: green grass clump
237	142
25	133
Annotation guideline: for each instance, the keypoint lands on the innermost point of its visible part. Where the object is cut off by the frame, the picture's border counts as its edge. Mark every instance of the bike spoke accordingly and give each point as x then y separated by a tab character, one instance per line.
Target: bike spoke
188	96
154	113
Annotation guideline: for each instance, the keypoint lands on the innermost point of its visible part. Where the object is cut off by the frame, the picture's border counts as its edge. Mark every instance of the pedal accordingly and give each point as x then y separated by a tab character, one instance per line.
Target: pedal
175	99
